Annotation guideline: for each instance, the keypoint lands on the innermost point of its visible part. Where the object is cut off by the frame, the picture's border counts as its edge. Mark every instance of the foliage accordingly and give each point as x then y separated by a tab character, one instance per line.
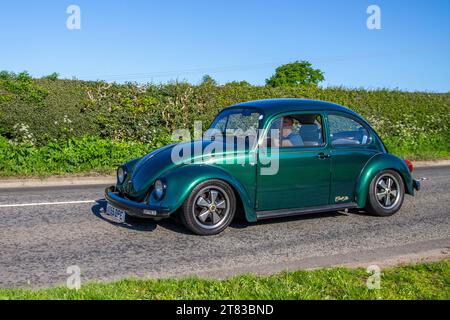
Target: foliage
295	74
422	281
67	156
238	84
208	80
54	76
38	113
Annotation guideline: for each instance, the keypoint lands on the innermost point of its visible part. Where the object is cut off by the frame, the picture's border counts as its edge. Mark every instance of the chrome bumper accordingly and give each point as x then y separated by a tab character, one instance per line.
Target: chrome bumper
135	209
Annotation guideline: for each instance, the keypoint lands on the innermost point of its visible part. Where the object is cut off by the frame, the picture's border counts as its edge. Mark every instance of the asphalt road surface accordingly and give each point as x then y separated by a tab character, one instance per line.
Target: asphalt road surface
43	231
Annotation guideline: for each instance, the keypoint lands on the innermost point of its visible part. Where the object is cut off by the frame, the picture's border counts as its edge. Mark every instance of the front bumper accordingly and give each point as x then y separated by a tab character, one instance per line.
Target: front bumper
135	209
416	184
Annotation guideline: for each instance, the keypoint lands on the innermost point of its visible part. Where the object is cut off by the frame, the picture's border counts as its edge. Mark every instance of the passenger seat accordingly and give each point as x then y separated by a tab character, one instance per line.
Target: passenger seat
311	134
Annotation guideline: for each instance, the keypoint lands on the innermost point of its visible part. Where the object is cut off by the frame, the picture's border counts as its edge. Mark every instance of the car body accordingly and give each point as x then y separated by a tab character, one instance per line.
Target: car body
337	162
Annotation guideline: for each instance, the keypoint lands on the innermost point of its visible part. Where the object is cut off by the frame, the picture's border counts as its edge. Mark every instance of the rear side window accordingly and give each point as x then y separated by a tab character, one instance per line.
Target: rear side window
346	131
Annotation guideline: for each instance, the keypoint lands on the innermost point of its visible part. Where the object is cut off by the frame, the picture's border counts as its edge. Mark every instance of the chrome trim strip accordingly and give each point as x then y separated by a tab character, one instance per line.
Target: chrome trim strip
299	211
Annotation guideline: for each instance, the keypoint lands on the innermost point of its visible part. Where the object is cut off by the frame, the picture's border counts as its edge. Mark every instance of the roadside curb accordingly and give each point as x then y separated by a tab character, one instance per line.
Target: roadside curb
110	179
431	163
56	182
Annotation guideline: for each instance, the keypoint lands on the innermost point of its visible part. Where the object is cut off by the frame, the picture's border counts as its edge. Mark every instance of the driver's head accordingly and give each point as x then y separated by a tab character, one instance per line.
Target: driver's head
288	122
287	126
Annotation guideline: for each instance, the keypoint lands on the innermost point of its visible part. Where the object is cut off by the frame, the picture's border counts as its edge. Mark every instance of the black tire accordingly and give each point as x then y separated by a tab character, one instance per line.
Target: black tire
379	192
211	216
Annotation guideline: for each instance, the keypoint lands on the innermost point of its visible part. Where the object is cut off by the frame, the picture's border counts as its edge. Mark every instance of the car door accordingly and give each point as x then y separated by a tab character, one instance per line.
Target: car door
303	176
351	146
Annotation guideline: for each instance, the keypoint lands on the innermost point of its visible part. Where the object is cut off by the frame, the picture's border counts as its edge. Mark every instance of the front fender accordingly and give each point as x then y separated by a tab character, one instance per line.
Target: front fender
181	180
378	163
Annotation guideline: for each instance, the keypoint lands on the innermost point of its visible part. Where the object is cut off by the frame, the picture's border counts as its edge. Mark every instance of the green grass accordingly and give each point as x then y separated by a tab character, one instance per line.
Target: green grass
421	281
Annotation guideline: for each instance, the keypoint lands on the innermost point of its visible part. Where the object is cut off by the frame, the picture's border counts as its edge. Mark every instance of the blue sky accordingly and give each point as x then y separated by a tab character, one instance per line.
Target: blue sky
231	40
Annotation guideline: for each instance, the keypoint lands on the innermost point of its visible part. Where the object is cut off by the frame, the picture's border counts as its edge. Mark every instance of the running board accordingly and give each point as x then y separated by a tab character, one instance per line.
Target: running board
294	212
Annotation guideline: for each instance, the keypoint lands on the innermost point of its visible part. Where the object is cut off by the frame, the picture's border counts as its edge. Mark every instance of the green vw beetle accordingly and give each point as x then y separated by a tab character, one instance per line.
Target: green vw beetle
265	159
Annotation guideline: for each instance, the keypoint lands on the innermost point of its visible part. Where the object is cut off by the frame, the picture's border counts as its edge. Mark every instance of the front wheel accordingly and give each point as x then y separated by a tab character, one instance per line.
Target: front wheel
209	208
386	193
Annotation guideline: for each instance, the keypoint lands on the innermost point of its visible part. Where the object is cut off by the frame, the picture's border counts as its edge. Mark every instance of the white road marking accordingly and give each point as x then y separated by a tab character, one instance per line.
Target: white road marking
44	203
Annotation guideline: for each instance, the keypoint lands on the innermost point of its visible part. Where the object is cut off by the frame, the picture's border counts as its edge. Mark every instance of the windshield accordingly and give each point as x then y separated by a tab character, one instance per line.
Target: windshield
237	123
236	119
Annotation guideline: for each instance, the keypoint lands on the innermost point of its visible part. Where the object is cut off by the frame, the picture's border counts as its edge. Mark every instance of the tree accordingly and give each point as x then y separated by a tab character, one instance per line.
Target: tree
208	80
54	76
295	74
239	84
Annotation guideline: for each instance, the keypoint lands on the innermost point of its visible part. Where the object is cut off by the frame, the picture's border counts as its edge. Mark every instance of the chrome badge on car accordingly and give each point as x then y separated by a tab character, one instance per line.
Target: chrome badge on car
341	198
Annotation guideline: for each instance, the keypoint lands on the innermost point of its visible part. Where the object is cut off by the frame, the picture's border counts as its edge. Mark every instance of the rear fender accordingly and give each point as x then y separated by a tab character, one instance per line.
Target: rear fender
378	163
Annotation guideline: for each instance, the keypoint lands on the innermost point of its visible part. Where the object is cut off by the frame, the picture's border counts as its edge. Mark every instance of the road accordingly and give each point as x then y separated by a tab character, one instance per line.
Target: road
39	242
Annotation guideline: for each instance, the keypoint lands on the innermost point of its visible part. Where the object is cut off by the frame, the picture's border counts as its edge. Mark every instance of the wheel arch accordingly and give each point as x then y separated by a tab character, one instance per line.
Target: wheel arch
181	180
378	163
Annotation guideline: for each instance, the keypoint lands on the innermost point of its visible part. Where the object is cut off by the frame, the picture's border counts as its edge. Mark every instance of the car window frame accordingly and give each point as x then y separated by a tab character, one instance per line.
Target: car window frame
325	133
261	119
357	120
237	111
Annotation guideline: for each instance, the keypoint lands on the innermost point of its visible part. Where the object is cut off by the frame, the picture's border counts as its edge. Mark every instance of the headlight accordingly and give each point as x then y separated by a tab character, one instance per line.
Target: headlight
121	175
159	189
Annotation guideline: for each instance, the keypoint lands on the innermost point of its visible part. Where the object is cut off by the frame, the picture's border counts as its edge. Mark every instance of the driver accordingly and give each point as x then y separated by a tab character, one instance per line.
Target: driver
289	137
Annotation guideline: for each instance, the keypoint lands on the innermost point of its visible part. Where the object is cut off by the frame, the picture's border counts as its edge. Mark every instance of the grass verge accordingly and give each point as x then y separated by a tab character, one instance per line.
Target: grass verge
421	281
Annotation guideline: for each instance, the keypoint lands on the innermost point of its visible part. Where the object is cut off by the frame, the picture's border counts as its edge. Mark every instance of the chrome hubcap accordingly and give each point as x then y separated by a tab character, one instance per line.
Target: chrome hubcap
387	191
211	207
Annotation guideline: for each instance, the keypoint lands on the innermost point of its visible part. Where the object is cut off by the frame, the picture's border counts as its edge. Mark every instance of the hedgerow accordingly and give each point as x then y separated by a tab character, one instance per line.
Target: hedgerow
72	155
38	113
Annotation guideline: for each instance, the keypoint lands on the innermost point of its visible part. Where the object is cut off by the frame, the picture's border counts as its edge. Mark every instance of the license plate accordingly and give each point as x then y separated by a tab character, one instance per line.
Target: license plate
116	214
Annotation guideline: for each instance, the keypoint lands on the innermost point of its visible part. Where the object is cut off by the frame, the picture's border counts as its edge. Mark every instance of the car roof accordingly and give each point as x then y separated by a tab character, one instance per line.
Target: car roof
275	106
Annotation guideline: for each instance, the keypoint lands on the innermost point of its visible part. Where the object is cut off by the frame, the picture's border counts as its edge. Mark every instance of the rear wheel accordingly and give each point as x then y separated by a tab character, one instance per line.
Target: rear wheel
386	193
209	208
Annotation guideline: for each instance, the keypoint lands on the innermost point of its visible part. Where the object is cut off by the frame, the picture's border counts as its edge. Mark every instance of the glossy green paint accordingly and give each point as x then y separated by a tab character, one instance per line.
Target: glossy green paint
303	179
236	167
347	163
378	163
183	179
142	174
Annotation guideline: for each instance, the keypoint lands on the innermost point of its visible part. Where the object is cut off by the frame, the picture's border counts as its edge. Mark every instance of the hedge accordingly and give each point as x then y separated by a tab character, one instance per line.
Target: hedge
37	112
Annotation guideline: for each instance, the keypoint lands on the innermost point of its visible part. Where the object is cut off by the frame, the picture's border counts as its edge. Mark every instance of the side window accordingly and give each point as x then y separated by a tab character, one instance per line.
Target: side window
297	130
346	131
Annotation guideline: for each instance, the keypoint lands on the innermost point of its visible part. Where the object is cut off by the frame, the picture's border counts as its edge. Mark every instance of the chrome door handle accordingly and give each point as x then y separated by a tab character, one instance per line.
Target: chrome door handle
322	156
